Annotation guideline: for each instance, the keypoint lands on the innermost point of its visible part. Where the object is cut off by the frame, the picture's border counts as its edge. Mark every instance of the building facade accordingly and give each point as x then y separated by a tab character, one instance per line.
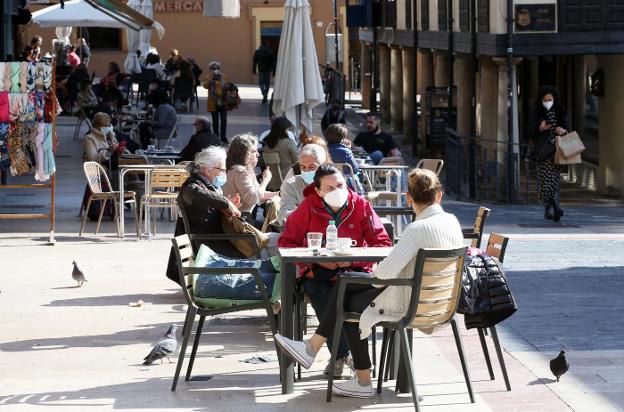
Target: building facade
577	46
230	41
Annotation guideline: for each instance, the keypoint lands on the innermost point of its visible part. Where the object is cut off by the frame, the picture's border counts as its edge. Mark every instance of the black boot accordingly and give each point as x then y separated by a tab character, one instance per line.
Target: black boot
547	214
558	212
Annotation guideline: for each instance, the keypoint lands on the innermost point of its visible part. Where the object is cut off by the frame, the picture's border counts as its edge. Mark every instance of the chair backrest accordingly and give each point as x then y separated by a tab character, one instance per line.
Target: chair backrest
345	166
435	287
272	160
496	246
391	160
168	179
94	172
435	165
185	257
132	159
482	214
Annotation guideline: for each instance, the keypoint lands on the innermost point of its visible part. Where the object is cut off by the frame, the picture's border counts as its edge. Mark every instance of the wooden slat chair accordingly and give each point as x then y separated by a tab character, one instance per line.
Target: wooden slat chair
272	160
165	184
185	257
476	232
435	165
94	172
496	247
435	290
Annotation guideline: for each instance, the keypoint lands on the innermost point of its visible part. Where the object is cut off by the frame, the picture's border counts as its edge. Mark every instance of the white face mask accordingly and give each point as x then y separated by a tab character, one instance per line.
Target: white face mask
548	104
106	129
336	198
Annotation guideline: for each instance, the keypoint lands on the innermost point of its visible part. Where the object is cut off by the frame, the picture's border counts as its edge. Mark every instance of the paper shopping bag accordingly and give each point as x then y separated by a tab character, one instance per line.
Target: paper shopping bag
560	159
570	144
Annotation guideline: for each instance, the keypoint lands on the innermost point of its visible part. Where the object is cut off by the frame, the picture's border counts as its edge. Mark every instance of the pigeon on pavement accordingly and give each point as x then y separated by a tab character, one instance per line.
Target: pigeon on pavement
165	347
77	275
559	365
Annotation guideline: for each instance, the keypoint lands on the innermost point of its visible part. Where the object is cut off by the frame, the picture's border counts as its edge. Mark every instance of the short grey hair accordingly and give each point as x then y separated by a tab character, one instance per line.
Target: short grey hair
210	156
204	121
315	150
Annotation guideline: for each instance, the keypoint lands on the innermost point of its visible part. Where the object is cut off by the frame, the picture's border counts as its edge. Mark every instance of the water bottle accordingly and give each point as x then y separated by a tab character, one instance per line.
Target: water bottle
331	236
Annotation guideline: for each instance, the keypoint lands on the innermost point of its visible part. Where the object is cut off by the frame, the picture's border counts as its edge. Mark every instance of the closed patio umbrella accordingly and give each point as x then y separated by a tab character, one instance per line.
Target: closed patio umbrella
298	87
147	9
133	39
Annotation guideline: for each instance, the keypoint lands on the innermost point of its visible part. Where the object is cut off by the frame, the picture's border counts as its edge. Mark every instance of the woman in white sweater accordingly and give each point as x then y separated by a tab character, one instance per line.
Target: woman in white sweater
433	228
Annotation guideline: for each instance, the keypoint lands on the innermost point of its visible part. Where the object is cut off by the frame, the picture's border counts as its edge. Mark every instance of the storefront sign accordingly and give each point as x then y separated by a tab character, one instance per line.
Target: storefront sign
536	17
178	6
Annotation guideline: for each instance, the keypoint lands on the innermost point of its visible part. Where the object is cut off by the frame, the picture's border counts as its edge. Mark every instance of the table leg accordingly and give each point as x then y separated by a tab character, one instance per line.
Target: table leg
122	174
289	272
148	210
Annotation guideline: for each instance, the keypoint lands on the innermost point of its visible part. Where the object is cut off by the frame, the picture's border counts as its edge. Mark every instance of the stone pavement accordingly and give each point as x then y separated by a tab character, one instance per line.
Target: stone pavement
80	349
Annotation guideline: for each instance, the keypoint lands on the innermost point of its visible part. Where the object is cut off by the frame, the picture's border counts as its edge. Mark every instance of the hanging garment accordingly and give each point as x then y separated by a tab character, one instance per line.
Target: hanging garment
6	77
23	79
40	174
2	72
30	78
47	77
5	161
30	108
15	76
4	107
22	158
39	77
18	107
49	166
39	106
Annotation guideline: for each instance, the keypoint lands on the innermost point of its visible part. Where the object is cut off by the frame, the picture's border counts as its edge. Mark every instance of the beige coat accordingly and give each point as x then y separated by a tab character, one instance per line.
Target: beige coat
94	142
242	181
433	228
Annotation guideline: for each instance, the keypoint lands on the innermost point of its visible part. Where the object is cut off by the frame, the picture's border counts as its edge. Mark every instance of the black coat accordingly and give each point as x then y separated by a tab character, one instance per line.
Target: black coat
539	115
264	60
198	142
204	208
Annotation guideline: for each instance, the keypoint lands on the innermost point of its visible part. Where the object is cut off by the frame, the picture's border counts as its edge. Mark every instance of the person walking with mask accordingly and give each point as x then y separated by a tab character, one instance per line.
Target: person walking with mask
216	83
550	120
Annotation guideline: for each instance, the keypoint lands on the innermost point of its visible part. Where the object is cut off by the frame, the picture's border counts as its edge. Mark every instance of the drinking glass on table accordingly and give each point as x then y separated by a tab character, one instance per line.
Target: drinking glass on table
315	239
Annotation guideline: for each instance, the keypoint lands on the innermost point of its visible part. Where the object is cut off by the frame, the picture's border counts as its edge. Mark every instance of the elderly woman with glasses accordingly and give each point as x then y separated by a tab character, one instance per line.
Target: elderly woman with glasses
204	204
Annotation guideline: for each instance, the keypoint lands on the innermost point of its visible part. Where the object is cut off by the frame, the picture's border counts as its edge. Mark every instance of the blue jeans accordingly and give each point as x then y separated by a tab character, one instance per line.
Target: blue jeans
319	292
376	156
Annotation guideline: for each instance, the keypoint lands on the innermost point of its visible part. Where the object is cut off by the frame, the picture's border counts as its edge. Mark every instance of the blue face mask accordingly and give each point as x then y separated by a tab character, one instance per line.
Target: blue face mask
106	129
219	180
308	177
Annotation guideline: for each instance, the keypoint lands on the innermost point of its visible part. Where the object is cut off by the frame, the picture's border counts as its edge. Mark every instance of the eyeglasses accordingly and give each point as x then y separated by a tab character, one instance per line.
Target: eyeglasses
219	169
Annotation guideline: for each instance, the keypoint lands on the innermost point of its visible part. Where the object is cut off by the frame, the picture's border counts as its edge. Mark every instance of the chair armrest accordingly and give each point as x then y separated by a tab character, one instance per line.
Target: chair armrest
237	236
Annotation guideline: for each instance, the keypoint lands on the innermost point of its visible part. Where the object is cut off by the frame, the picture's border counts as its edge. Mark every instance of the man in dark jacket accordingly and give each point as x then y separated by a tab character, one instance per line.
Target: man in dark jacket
264	61
202	138
333	114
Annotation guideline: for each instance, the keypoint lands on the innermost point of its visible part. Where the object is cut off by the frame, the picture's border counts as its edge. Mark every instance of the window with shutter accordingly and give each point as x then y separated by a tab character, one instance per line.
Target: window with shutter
424	14
483	16
464	15
442	18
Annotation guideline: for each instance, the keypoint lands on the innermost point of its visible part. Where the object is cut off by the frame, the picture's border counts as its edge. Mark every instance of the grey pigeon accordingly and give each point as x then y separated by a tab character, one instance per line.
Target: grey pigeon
77	275
559	365
165	347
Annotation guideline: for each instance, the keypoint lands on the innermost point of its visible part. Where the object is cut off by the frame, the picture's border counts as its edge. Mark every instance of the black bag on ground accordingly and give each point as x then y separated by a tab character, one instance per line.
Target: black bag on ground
485	295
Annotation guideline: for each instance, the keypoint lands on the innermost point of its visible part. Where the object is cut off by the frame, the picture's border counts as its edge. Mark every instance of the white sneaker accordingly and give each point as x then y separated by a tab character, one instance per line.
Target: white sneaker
296	350
339	367
354	389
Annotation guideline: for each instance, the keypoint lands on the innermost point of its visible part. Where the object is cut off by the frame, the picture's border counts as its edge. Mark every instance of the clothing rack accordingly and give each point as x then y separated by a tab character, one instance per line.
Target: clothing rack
51	184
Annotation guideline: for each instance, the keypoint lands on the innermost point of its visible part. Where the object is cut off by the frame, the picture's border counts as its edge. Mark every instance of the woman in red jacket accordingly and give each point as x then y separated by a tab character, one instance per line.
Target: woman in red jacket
329	198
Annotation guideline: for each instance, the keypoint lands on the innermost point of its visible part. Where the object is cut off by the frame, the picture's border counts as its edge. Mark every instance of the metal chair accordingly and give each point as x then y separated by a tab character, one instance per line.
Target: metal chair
435	290
82	118
185	257
94	172
164	184
496	247
435	165
173	134
477	230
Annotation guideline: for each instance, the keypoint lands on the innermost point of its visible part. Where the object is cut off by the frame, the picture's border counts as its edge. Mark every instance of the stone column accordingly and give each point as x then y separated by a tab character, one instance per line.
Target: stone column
396	89
503	128
384	80
440	64
487	109
366	82
408	92
464	80
425	79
